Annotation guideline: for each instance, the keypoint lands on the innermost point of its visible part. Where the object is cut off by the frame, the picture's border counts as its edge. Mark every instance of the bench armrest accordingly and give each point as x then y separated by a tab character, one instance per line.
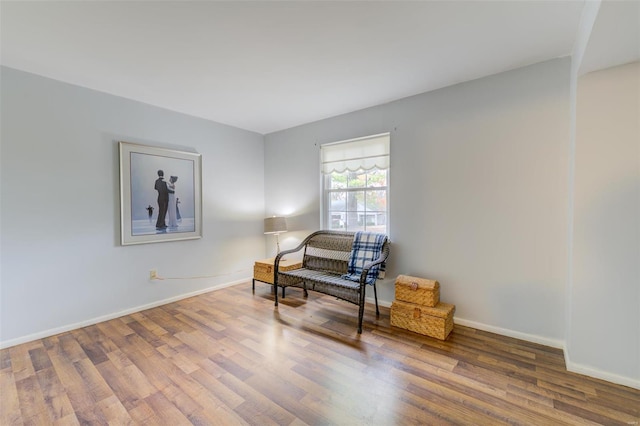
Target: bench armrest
367	266
276	262
293	250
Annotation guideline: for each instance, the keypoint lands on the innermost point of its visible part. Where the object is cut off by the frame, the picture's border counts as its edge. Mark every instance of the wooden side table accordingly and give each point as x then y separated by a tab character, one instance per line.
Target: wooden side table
263	269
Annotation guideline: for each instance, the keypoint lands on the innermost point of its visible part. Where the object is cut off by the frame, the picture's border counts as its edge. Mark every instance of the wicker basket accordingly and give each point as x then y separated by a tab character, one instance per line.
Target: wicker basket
434	322
417	290
263	269
263	272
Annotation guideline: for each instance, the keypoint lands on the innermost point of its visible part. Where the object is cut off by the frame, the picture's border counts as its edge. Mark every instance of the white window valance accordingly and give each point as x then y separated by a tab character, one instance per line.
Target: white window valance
355	154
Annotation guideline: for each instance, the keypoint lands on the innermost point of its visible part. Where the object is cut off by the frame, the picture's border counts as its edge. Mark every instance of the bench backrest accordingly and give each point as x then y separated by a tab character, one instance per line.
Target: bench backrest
328	251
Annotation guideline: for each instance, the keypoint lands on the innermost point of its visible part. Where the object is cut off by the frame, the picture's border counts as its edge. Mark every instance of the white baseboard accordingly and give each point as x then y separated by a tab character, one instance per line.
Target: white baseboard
92	321
554	343
599	374
380	302
533	338
492	329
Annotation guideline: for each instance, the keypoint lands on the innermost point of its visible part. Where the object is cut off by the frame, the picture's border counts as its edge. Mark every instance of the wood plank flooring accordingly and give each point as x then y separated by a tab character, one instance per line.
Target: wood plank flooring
228	357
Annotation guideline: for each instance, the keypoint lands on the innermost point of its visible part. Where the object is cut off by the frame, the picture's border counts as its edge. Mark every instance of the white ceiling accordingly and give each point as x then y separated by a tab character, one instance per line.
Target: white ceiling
266	66
615	36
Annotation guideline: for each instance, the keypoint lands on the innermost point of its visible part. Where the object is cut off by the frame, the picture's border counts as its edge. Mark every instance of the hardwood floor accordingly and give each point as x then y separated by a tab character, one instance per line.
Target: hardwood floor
227	357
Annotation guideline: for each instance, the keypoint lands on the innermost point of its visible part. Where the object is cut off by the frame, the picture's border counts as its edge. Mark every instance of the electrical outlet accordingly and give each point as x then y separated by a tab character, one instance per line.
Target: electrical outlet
153	274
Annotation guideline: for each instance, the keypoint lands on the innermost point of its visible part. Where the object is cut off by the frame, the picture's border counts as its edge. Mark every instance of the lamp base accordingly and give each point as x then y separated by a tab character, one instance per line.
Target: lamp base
278	246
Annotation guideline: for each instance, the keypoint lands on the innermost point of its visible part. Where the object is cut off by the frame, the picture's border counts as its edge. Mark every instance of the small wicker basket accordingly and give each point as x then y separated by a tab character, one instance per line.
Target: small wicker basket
434	322
263	269
263	272
417	290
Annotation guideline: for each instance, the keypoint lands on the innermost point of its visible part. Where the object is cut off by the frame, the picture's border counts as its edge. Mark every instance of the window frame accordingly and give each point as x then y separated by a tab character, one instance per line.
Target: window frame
326	215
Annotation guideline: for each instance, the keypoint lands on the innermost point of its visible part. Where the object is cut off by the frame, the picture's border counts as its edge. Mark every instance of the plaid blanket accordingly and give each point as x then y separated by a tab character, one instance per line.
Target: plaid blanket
366	247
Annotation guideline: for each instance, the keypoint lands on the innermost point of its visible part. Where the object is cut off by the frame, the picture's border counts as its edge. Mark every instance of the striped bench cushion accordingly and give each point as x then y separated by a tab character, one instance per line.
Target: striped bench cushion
320	276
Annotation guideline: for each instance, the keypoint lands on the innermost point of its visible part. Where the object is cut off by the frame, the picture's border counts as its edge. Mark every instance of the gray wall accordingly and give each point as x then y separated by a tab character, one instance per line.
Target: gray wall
604	311
62	264
478	193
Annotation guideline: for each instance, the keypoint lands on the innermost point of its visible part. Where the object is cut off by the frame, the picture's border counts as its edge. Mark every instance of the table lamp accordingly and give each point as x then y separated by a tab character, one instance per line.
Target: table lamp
275	225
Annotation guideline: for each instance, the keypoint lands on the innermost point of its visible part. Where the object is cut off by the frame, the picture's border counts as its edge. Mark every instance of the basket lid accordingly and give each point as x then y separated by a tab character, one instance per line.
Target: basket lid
417	283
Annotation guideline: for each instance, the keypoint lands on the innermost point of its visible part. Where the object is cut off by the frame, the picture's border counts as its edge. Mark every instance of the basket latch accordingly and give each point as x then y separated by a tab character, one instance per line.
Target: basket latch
414	285
416	313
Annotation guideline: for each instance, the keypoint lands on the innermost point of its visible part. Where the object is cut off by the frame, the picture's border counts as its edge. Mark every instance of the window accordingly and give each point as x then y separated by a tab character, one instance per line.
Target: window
355	184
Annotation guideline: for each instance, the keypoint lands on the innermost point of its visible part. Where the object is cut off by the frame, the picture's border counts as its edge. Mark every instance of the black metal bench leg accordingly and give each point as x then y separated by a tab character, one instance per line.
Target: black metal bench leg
275	294
253	285
283	292
375	294
361	309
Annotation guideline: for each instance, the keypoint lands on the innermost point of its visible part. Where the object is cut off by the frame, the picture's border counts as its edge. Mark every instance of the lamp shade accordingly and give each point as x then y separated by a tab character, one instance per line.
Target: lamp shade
275	225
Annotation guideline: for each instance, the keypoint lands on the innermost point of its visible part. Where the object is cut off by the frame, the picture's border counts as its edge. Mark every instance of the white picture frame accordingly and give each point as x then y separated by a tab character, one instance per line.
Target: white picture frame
141	204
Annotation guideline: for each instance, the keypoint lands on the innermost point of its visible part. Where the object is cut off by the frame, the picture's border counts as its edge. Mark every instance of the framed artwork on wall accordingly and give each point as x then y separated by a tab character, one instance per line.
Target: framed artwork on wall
160	194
